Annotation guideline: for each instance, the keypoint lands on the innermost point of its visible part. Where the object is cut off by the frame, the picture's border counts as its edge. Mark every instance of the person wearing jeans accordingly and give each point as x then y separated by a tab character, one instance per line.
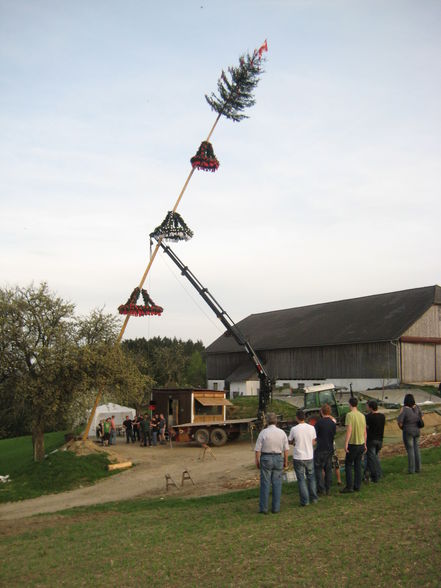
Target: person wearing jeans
325	429
353	461
375	422
355	446
305	474
303	437
271	454
408	420
127	424
112	431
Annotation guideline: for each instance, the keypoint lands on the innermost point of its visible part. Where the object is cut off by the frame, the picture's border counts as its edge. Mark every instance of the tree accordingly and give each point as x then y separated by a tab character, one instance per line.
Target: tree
169	365
195	371
169	361
52	360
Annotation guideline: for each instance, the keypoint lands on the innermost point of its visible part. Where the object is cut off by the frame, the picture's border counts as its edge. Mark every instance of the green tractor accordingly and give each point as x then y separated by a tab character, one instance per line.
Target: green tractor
338	399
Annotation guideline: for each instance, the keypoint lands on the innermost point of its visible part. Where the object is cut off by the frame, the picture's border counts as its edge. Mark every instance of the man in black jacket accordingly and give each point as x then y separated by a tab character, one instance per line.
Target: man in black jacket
375	422
127	424
325	429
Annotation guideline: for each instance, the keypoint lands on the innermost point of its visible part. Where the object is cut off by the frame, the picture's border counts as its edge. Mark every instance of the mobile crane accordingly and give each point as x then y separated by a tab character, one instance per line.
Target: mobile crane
265	381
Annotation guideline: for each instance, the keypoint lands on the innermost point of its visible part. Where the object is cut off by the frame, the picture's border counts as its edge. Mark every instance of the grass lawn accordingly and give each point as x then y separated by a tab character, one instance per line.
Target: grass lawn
58	472
389	534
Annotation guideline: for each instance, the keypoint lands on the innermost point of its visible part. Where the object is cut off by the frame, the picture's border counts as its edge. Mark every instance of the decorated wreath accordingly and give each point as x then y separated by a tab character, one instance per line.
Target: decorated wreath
133	309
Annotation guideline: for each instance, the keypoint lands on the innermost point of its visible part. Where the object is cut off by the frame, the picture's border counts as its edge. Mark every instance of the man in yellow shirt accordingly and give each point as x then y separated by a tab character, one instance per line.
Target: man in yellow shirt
355	446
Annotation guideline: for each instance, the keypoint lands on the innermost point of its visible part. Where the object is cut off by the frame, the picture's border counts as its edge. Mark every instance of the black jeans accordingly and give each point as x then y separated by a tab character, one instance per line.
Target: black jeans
353	460
323	461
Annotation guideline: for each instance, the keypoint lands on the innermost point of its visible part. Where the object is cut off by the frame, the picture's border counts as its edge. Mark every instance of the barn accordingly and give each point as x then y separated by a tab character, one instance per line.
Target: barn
366	342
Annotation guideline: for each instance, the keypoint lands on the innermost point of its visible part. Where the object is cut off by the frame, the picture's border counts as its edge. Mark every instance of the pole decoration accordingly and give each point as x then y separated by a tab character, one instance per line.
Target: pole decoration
236	94
205	159
172	228
133	309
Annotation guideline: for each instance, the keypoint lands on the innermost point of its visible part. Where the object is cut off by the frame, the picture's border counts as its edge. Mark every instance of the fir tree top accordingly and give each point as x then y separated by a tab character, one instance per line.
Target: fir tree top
236	94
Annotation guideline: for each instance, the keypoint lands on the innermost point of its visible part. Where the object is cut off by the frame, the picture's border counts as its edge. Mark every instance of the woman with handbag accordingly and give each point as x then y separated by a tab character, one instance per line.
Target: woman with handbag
410	420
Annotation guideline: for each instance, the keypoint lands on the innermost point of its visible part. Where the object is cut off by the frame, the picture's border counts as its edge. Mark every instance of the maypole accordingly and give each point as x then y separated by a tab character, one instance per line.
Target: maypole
235	94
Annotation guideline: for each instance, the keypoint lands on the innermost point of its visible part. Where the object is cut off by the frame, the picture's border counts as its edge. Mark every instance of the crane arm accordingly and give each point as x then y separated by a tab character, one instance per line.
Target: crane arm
226	320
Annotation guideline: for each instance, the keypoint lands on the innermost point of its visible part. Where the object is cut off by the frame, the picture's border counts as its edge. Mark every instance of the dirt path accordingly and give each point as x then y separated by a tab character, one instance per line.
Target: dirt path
229	467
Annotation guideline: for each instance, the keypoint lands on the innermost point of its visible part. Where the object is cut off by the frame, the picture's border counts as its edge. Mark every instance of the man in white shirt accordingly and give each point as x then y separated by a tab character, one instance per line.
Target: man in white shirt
271	457
303	437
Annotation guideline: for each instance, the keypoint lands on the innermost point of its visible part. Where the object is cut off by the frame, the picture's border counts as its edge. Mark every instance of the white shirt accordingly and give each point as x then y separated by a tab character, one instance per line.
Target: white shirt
303	436
272	440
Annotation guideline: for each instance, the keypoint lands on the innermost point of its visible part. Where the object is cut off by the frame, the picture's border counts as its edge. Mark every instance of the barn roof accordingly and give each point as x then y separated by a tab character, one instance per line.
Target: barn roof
381	317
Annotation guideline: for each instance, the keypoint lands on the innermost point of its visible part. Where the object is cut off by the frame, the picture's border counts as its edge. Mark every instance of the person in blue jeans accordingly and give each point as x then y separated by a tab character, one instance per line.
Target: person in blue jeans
355	446
303	437
271	454
408	420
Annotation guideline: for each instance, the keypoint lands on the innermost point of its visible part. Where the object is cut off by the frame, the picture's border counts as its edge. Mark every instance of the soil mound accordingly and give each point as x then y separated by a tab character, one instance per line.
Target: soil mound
88	447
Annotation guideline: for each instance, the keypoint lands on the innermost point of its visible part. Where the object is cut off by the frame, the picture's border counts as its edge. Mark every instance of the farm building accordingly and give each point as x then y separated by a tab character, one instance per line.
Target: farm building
365	342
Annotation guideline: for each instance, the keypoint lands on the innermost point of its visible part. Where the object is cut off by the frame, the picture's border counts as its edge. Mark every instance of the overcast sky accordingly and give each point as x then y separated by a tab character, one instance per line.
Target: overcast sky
330	190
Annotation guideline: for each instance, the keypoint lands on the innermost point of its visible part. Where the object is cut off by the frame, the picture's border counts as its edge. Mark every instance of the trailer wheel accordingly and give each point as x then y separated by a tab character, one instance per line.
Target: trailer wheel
218	437
202	436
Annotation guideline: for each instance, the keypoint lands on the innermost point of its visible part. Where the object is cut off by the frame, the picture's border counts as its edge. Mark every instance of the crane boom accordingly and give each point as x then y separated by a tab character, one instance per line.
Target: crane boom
229	324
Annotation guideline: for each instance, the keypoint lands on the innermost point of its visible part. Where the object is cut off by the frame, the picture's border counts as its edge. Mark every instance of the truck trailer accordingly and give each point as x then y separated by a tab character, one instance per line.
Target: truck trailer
198	415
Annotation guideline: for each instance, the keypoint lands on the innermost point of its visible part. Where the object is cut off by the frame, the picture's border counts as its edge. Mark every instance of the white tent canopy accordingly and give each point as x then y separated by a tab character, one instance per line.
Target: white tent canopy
107	410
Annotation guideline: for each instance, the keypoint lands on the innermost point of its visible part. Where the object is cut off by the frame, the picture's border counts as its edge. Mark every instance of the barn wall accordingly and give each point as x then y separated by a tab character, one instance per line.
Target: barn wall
429	325
438	364
248	388
221	365
373	360
420	361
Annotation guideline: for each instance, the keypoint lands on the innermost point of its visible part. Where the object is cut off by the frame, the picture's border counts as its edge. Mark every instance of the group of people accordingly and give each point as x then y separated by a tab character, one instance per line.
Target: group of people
106	431
149	431
314	451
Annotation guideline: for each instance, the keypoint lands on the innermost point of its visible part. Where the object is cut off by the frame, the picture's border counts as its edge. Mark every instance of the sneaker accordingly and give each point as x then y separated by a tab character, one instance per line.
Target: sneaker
328	492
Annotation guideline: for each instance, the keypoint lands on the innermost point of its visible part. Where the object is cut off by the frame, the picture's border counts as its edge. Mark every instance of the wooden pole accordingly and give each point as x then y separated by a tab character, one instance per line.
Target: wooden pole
143	279
92	414
158	244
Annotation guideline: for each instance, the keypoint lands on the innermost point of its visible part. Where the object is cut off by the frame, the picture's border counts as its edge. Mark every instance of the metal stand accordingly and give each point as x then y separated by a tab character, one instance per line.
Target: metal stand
169	482
206	448
186	476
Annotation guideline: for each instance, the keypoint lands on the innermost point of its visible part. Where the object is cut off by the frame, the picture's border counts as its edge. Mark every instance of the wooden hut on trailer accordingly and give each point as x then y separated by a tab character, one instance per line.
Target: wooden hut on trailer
198	415
365	342
188	405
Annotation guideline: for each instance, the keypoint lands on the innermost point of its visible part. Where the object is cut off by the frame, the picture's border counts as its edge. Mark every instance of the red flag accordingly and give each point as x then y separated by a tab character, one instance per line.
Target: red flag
263	48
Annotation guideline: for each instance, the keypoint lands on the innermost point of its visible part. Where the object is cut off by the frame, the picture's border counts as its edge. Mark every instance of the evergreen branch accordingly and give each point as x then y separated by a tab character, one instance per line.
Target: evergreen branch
236	94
